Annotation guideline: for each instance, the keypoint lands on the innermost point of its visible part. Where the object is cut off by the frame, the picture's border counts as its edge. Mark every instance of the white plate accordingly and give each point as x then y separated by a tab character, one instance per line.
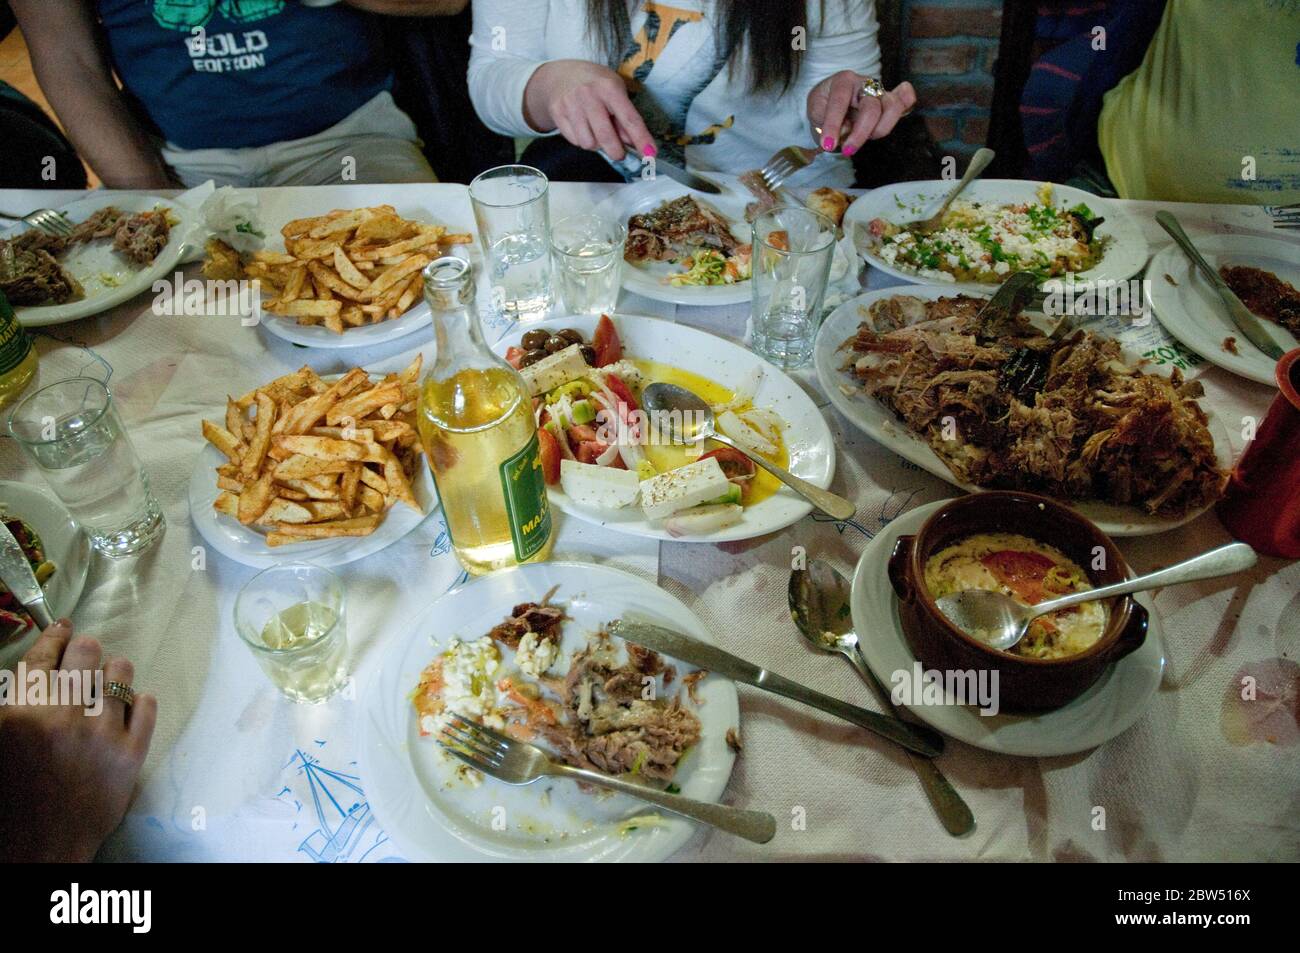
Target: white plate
650	278
1123	258
879	423
65	544
1109	707
246	545
405	776
1191	311
807	437
88	262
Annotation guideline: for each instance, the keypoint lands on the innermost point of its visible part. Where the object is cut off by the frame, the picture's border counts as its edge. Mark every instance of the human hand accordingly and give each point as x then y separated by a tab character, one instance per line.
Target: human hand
839	99
588	104
66	772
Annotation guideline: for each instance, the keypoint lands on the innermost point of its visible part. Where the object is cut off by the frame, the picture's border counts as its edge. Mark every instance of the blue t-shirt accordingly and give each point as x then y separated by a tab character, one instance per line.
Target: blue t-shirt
237	73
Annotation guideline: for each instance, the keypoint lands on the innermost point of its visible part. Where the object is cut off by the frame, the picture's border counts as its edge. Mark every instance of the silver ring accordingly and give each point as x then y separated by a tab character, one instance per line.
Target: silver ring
121	691
872	87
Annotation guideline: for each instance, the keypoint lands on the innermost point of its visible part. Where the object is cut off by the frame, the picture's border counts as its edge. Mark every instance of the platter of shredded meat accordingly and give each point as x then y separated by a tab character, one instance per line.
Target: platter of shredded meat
1021	404
121	243
527	652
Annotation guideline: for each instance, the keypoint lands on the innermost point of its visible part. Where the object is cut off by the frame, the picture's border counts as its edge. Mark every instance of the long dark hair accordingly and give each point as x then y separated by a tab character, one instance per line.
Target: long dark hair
763	30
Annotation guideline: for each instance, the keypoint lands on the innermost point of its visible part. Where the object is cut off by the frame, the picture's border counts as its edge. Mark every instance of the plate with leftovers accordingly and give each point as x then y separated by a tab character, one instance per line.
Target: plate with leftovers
998	227
121	243
324	470
59	552
609	462
1264	273
347	278
1108	707
683	247
526	651
1070	416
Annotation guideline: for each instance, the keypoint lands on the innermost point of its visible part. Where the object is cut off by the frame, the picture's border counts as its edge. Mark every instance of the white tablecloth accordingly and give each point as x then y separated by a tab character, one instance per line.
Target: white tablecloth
238	773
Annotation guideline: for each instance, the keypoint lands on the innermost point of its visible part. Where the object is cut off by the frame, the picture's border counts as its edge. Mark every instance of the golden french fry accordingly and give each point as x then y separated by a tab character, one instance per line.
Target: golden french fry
413	288
286	511
360	405
334	322
299	467
393	275
223	440
348	486
323	277
251	462
255	499
228	503
324	448
348	271
353	526
306	306
343	223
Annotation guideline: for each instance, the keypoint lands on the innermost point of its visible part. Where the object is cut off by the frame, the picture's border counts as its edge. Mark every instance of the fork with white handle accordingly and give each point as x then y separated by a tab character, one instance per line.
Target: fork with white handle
517	762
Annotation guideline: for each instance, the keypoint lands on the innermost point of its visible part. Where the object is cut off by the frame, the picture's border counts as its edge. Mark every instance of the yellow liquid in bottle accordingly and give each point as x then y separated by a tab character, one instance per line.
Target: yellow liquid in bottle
13	341
480	435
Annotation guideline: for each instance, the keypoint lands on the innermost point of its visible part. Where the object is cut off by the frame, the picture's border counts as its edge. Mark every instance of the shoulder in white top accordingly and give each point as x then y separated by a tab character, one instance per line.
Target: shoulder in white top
684	92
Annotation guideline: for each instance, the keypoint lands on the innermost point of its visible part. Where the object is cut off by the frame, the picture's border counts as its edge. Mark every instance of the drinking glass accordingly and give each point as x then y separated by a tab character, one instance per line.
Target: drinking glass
793	248
292	619
588	253
72	432
513	215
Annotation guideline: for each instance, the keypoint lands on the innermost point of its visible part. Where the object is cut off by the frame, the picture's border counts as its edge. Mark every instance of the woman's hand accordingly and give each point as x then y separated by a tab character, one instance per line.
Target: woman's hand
839	99
67	771
588	104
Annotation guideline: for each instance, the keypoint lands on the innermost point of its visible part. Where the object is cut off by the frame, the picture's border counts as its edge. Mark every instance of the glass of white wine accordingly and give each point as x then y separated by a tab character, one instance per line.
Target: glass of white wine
292	618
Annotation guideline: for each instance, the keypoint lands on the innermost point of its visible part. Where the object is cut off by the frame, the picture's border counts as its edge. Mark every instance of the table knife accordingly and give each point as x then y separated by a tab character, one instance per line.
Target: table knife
17	576
922	740
632	165
1015	294
1247	323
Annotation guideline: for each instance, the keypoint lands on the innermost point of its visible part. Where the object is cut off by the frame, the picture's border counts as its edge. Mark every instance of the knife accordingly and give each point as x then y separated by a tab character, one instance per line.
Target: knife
1016	294
920	739
631	164
17	576
1246	322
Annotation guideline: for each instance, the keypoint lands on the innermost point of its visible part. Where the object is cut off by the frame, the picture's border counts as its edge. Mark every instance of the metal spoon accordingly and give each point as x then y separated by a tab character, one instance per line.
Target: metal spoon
819	604
978	163
667	398
1001	621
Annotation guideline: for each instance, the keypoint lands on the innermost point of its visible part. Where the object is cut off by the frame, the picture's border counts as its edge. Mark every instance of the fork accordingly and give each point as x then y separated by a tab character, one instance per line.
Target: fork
45	220
517	762
1286	216
978	163
785	164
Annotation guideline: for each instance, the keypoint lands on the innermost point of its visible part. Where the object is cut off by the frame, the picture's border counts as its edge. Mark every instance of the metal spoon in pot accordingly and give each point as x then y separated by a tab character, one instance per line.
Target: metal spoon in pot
819	605
669	398
1001	621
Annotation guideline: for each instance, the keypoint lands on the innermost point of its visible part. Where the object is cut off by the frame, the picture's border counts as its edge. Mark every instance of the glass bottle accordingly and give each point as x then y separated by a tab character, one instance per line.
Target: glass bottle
479	431
17	354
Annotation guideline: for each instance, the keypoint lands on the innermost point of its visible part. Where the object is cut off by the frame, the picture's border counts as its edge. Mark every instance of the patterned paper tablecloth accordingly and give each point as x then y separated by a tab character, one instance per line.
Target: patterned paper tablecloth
237	773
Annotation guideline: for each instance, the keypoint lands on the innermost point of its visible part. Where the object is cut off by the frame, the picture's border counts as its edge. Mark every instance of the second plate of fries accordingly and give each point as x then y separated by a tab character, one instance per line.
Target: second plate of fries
326	470
348	278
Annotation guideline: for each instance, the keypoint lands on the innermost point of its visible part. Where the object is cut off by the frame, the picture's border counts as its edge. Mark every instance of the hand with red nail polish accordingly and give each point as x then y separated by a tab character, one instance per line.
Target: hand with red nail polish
837	105
67	771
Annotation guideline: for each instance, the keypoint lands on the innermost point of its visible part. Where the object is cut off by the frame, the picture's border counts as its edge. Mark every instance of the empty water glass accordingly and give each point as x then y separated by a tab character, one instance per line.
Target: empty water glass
73	433
588	252
793	249
513	216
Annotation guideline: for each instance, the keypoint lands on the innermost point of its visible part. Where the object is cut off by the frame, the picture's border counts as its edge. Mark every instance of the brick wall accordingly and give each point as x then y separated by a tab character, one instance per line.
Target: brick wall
949	50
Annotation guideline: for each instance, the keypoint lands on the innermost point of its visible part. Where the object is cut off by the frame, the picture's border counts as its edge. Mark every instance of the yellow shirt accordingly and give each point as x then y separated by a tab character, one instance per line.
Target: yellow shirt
1213	112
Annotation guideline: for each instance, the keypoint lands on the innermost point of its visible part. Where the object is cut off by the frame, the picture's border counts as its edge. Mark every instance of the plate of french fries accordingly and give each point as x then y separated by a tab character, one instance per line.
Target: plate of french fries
322	469
348	278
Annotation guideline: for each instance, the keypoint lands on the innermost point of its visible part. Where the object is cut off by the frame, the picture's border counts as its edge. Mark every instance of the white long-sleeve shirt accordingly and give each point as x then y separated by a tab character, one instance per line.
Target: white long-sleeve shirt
683	89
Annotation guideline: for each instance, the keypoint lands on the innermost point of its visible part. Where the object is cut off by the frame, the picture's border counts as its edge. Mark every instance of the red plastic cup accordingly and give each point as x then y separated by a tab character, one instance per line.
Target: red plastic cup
1262	504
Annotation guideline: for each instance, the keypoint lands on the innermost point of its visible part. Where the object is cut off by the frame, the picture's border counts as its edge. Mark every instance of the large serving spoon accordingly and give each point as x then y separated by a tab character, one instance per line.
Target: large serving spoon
978	163
819	605
1001	621
670	399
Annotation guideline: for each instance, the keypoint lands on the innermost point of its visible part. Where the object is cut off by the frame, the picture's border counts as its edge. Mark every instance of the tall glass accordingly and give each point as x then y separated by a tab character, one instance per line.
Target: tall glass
793	249
513	215
292	618
588	253
73	433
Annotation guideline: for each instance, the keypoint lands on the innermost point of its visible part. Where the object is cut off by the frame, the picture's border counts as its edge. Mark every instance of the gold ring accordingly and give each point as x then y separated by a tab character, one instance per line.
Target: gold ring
121	691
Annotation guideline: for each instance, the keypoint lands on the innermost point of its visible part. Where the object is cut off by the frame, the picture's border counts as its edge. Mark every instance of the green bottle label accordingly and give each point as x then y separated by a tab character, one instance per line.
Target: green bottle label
15	342
524	487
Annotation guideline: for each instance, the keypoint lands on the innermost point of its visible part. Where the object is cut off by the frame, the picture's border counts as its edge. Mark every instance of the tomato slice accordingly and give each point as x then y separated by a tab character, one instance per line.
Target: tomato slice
1021	572
736	467
622	392
514	356
606	343
550	454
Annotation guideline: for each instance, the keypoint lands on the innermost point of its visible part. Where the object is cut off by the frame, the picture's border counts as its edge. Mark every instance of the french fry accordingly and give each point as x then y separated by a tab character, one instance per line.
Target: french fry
393	275
348	271
255	499
251	463
323	448
223	440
